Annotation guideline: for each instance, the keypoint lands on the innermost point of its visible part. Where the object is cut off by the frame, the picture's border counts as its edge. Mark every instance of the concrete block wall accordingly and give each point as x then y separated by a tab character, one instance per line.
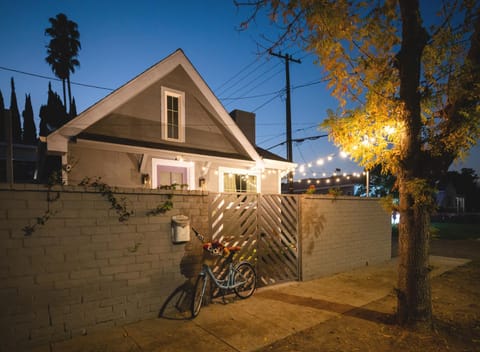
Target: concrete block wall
85	270
342	233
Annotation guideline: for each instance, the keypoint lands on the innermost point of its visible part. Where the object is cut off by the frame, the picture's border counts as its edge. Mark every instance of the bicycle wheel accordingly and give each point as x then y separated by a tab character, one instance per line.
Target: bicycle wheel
198	293
245	273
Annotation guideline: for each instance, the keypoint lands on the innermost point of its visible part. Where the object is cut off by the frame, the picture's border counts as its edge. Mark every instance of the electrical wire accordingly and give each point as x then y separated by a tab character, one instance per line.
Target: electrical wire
262	82
53	78
241	79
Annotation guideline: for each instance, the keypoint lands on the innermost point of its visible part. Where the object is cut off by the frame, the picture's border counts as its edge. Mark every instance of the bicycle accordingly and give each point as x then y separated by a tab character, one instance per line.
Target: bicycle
241	278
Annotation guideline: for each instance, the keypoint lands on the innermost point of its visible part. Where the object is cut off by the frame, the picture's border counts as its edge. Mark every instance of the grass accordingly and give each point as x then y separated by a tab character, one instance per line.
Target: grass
455	231
450	231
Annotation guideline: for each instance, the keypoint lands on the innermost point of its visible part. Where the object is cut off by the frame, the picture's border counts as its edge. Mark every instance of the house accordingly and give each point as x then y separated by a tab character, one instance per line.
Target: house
166	127
345	185
448	200
23	164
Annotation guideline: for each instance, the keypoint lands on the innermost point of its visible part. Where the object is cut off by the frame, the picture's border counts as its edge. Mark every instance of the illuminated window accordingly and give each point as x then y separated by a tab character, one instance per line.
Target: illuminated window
235	180
239	183
173	115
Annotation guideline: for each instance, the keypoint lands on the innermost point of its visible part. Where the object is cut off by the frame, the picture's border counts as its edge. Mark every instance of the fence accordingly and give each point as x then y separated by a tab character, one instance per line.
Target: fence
84	269
265	226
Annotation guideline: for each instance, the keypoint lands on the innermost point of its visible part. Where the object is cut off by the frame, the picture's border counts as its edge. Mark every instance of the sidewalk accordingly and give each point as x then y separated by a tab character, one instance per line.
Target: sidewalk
271	314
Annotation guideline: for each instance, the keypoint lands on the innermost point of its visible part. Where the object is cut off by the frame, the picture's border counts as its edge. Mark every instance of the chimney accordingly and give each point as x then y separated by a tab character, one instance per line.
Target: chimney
246	122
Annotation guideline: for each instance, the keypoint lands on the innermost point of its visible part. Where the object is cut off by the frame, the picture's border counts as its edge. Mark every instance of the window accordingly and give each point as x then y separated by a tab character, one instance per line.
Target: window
169	172
233	180
173	115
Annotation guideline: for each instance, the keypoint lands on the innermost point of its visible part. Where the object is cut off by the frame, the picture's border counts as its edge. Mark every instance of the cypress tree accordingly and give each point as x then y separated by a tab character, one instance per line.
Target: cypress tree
29	129
16	126
73	110
53	115
2	119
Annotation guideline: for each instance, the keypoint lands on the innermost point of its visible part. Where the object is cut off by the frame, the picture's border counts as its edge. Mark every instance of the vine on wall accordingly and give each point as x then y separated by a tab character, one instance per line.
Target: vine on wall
118	204
108	192
54	179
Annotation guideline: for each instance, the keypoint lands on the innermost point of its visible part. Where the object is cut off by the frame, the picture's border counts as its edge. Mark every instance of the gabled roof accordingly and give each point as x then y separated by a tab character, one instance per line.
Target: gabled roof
57	141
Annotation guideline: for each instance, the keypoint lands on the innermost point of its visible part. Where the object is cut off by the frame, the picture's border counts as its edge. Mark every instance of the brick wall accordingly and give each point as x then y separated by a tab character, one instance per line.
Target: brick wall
342	233
86	270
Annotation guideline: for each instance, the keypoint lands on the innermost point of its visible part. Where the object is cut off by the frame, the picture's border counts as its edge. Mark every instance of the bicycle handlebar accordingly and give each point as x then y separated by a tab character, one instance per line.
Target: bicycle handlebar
199	235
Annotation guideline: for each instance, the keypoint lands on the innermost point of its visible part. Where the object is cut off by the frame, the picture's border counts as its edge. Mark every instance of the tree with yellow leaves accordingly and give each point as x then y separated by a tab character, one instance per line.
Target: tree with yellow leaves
407	76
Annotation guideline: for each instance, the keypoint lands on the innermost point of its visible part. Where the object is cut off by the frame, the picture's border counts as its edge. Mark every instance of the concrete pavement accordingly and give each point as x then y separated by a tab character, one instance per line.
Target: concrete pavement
271	314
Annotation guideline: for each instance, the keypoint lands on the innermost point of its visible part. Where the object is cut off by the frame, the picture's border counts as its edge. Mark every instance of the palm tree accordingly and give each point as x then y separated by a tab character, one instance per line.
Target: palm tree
63	50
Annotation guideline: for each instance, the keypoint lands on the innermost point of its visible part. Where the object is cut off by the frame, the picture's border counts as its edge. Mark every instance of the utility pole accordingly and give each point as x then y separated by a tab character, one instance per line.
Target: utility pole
288	112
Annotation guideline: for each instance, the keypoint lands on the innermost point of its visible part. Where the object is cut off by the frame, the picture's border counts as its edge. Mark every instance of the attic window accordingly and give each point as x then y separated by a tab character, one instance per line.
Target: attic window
173	115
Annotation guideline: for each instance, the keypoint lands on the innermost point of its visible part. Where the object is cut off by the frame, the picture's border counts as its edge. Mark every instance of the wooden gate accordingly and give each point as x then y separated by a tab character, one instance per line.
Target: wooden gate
265	226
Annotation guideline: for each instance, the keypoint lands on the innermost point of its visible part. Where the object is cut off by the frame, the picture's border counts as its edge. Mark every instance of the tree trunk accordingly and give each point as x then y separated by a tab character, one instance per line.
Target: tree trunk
414	297
64	95
414	306
69	96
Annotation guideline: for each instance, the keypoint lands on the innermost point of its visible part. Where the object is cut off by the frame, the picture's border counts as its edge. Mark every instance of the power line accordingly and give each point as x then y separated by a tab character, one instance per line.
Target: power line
256	79
257	59
268	101
253	96
262	82
237	82
282	134
308	84
53	78
299	140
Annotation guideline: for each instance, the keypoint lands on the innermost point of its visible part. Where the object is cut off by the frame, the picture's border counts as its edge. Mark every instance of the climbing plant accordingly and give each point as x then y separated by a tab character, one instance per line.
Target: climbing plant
119	204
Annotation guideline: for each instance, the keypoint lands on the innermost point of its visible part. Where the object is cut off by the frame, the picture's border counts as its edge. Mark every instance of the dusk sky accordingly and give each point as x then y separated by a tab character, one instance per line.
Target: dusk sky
122	39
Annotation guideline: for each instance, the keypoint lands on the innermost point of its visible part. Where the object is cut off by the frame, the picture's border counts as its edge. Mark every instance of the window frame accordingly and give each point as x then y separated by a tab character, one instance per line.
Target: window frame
222	171
188	165
166	92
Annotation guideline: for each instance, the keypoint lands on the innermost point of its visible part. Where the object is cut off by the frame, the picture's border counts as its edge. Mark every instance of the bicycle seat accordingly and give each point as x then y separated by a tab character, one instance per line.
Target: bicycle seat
216	248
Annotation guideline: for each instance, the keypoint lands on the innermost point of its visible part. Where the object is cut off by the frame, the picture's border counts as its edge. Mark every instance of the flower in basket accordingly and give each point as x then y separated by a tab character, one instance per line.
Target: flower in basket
214	248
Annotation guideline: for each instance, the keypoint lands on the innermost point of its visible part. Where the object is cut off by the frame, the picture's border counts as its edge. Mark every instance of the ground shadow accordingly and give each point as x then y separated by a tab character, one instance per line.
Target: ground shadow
340	308
177	305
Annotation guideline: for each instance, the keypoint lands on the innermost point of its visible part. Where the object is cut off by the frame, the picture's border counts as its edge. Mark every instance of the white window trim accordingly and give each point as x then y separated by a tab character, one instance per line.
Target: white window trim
181	118
189	165
226	170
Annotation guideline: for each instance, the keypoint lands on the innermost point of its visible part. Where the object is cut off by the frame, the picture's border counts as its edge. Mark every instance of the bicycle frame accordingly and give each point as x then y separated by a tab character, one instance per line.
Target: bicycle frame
224	284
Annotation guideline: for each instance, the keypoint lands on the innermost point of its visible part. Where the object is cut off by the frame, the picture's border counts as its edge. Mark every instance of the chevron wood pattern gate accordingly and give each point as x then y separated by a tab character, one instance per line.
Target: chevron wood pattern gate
265	226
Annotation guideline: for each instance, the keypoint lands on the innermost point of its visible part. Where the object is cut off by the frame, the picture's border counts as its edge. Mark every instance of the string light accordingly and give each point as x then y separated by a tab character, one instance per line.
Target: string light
306	168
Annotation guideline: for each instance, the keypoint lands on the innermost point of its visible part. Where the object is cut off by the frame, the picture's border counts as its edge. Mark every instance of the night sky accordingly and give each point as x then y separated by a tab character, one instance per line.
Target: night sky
122	39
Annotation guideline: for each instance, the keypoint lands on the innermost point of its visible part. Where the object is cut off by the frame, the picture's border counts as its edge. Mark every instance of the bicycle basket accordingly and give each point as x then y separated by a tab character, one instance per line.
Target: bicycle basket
214	248
217	249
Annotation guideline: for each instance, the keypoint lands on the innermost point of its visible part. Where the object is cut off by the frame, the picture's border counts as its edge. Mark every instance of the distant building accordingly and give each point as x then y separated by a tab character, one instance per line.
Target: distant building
448	200
24	162
347	185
